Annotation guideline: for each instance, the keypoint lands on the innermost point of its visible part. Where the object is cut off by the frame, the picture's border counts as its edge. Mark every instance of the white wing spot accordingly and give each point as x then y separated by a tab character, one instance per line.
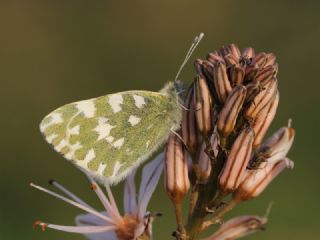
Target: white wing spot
101	168
147	143
89	157
63	143
53	118
139	101
75	130
115	100
103	128
51	137
73	148
109	139
133	120
116	168
118	144
87	107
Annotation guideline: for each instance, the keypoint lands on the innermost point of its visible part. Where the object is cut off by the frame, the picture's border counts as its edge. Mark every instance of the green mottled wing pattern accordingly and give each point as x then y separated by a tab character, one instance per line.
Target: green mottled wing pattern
110	135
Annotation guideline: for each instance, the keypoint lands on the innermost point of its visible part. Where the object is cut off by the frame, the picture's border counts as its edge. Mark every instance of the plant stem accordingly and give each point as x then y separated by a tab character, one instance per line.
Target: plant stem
220	213
181	229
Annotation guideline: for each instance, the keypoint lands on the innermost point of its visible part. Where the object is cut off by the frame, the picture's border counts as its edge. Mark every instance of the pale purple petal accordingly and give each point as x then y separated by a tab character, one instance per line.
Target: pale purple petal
150	177
82	229
130	195
113	211
91	220
68	193
74	203
111	198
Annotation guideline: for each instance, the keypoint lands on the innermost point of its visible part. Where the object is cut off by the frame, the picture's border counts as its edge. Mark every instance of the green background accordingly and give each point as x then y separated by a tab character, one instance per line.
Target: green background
56	52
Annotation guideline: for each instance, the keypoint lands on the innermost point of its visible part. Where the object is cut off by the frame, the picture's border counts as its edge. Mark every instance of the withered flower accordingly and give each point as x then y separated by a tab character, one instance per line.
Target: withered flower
258	179
239	227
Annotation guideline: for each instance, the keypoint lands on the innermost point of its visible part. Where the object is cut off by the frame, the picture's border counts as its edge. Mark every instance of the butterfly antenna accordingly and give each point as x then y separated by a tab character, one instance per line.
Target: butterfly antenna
193	46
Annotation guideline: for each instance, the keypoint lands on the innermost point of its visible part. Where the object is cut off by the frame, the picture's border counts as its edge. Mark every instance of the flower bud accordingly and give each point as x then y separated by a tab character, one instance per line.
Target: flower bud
235	166
278	145
224	51
214	57
271	59
176	170
234	50
251	72
264	120
266	74
258	179
261	100
198	66
207	68
239	227
236	74
221	81
203	105
229	113
248	53
260	59
189	130
253	89
204	164
230	60
204	158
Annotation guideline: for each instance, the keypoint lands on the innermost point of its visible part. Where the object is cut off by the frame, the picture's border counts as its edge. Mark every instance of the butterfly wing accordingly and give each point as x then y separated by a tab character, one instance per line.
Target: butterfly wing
110	135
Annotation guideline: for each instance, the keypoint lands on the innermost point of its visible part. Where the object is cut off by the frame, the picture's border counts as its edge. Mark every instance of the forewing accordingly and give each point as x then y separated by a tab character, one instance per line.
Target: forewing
110	135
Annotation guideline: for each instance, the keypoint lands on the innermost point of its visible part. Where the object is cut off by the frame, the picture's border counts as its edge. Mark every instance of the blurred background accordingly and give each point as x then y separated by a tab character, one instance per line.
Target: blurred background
56	52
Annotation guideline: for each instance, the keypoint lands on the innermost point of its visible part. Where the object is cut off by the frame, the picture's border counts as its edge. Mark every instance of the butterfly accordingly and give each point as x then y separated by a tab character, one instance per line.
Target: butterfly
111	135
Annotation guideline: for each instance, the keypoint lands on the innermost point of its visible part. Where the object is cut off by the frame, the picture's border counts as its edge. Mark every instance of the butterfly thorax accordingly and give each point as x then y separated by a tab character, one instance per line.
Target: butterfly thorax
172	90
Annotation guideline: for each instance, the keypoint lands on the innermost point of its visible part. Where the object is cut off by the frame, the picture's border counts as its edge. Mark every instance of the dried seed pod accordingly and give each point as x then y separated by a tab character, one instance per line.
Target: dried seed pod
265	74
229	113
235	166
239	227
261	100
264	120
221	81
189	130
278	145
237	74
177	182
203	105
257	180
260	59
234	50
